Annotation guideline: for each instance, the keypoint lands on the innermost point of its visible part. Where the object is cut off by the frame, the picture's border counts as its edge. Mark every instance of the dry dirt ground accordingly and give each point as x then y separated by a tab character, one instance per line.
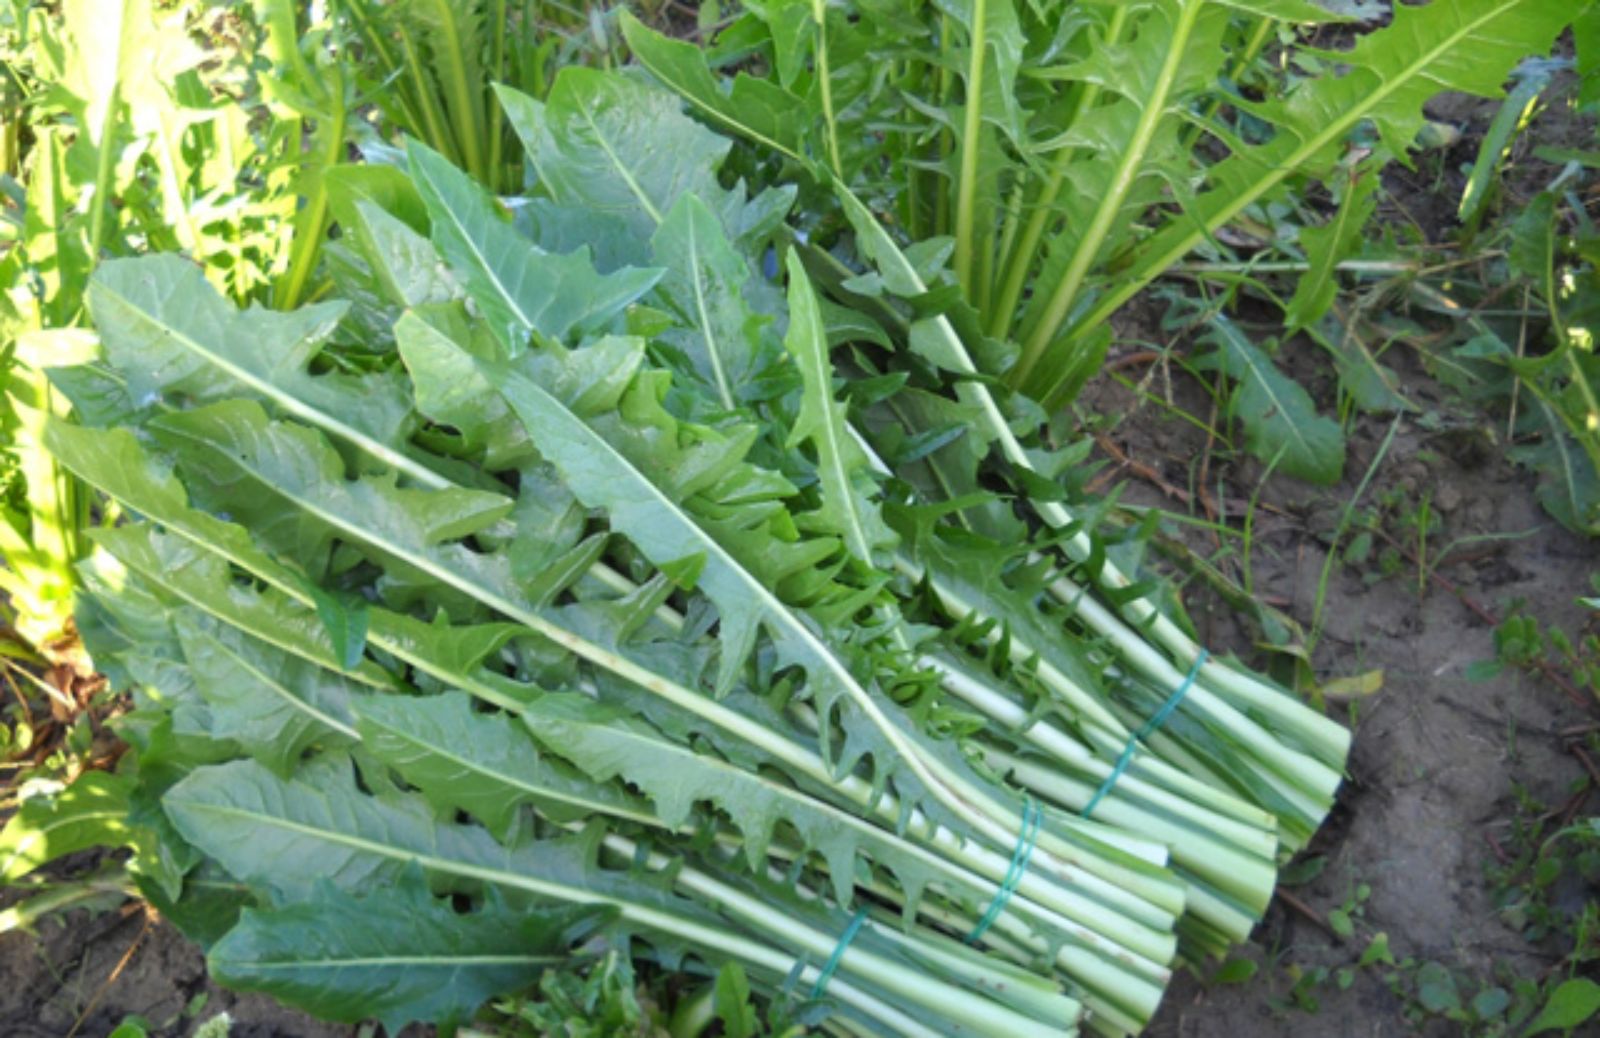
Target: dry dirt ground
1438	757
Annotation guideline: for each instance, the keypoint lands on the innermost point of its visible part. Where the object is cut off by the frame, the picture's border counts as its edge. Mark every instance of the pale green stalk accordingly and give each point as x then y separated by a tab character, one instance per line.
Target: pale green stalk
972	125
1153	112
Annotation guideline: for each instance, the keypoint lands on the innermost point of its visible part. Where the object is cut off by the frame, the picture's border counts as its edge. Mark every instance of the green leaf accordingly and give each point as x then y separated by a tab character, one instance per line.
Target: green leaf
200	577
194	570
754	108
171	334
1327	246
292	837
1492	150
1281	424
849	505
1235	971
345	617
273	704
472	408
1569	487
1573	1002
520	287
606	744
644	481
619	147
396	954
733	1008
725	340
1436	989
91	812
487	765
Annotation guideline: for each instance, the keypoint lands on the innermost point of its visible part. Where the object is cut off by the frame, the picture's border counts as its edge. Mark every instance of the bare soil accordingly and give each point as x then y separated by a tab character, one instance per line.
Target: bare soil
1437	757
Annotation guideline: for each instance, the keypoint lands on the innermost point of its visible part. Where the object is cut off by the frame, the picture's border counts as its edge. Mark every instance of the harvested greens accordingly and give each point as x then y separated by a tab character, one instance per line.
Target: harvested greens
609	568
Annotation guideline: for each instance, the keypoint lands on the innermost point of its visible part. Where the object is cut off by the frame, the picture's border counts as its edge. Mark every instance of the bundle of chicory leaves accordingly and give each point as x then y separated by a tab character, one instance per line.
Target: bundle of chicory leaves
608	568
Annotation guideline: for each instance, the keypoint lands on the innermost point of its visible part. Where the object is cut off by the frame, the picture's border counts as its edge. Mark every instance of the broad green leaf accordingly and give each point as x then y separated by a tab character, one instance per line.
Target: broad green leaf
91	812
273	704
199	577
643	480
396	954
384	187
487	765
345	617
725	340
1281	424
293	837
472	408
848	491
170	334
761	111
1573	1002
403	262
196	572
520	287
618	147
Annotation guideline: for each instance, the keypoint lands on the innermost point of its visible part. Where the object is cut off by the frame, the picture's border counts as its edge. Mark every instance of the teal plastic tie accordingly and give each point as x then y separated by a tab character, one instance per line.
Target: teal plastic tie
1027	837
1157	719
838	952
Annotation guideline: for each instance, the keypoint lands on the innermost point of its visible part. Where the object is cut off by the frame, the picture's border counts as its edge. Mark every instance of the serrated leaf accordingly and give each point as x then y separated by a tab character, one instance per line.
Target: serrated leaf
485	764
519	286
91	812
643	481
170	333
396	954
848	491
1281	424
619	147
704	282
607	744
198	577
196	572
761	111
273	704
291	837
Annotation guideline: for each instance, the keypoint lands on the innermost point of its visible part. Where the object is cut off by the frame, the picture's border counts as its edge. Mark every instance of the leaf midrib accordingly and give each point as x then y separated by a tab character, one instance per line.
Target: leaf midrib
773	610
278	396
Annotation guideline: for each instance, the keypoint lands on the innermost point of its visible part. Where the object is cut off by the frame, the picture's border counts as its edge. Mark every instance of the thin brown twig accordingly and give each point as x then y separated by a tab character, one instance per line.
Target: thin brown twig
1494	845
1133	360
116	972
1587	762
1307	911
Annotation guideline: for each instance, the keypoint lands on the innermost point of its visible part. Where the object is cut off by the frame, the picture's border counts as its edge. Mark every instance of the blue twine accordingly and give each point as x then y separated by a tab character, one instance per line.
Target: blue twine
1027	837
838	952
1156	721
